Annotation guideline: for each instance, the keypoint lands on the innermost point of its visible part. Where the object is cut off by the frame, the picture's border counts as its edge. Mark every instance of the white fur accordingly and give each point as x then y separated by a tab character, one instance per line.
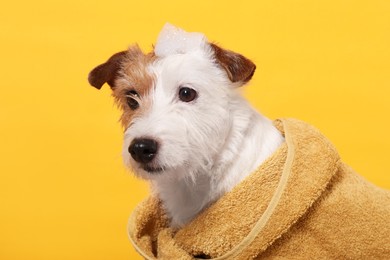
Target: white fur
206	146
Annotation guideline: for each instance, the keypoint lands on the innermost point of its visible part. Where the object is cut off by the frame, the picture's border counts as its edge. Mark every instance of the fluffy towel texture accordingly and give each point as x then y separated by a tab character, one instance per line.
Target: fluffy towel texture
325	211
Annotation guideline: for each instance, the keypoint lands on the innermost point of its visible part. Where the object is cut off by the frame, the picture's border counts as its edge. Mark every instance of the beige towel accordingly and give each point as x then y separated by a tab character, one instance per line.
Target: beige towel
301	203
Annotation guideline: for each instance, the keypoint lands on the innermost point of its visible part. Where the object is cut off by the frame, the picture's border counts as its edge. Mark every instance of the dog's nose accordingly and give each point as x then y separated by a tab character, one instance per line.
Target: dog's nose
143	150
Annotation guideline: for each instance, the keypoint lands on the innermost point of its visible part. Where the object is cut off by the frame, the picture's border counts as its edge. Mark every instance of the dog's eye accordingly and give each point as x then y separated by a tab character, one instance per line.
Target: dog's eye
187	94
131	98
133	104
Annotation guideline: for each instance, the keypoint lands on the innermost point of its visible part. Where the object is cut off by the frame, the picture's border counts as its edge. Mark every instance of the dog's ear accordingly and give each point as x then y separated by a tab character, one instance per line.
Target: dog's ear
107	71
238	68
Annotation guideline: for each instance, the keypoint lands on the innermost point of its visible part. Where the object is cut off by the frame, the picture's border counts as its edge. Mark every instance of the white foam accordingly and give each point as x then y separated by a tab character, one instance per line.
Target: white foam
174	40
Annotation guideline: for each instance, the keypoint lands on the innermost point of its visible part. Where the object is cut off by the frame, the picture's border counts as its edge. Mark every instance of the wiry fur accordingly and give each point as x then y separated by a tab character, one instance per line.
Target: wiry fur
206	146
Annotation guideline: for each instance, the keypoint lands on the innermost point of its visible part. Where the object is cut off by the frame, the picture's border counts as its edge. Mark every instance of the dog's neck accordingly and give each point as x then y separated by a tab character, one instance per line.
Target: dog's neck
251	140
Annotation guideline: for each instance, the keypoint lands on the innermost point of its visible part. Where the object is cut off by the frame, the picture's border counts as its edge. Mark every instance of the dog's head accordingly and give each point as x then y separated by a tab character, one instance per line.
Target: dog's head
176	102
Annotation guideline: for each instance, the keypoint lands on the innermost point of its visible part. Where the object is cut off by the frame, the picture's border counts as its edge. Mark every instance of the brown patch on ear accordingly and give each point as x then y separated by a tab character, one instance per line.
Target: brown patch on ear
238	68
107	71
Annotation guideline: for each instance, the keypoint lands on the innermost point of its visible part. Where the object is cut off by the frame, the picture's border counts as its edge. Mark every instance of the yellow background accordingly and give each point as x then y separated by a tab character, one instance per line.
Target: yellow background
64	193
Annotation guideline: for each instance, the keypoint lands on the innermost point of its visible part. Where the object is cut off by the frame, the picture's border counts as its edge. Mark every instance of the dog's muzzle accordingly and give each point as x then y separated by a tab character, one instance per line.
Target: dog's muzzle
143	150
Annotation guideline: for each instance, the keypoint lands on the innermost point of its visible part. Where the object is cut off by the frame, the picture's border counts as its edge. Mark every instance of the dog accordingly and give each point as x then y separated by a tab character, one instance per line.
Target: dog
227	182
188	130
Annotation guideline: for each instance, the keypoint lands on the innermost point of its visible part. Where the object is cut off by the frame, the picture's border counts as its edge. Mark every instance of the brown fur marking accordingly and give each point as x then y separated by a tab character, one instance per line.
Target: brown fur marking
238	68
134	75
107	71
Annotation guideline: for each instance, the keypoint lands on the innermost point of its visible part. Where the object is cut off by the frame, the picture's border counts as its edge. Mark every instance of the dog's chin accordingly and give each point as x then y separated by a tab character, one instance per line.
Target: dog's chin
147	172
153	169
